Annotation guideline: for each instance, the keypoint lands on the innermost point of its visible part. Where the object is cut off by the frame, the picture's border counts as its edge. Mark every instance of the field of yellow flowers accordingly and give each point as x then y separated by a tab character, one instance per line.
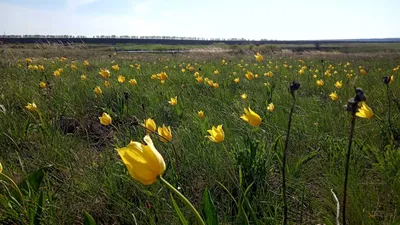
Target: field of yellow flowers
200	138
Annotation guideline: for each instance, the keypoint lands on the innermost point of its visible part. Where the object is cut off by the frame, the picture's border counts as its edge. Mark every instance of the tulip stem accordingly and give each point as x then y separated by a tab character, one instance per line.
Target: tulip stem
17	188
285	207
353	122
185	200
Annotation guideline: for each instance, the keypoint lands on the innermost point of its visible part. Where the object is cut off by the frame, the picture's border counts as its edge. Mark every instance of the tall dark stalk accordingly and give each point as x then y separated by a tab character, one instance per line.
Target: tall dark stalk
352	125
352	107
389	108
292	88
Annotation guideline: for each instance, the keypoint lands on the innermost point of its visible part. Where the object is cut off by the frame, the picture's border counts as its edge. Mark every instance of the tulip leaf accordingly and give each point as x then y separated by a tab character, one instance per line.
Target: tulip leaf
32	183
178	211
88	219
209	210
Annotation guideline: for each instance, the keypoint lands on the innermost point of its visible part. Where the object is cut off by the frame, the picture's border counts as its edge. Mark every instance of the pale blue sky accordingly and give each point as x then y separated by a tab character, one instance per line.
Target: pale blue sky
251	19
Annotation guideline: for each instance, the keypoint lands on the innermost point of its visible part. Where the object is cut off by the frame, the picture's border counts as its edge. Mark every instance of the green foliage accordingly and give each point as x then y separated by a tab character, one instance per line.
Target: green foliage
237	181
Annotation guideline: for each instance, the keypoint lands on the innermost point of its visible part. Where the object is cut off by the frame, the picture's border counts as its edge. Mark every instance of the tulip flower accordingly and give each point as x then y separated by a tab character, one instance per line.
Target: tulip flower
174	101
107	84
57	73
133	82
121	79
216	85
271	107
320	83
41	68
98	90
143	161
31	107
165	133
216	134
105	73
200	114
334	96
199	79
338	84
216	72
249	75
236	80
364	111
42	84
244	96
259	57
86	63
74	67
115	67
363	72
150	125
251	117
83	77
105	119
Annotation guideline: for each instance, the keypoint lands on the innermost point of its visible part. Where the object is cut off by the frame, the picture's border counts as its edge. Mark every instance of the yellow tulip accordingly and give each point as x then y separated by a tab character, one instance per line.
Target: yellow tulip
216	85
364	111
259	57
105	119
249	75
216	72
31	107
121	79
162	76
28	60
165	133
271	107
86	63
42	84
133	82
200	114
83	77
363	72
244	96
107	84
199	79
41	68
334	96
74	67
173	101
236	80
320	83
115	67
338	84
251	117
63	59
150	125
391	79
143	161
98	90
57	73
105	73
1	168
216	134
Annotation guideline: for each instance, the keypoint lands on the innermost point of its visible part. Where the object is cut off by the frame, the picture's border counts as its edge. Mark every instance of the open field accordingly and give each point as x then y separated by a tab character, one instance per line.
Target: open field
79	171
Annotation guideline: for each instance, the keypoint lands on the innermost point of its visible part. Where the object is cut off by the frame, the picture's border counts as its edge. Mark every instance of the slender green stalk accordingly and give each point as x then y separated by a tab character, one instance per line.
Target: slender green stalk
353	122
285	207
185	200
16	187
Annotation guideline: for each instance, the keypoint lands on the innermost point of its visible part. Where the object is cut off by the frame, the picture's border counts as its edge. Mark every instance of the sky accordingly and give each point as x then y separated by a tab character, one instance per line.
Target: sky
249	19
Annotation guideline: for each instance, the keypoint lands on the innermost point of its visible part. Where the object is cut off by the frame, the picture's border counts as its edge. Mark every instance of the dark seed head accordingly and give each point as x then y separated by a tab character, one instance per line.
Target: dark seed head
360	95
294	86
386	80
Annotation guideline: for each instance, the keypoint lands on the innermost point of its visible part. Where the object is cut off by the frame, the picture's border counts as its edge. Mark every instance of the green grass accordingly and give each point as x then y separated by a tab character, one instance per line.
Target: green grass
87	174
